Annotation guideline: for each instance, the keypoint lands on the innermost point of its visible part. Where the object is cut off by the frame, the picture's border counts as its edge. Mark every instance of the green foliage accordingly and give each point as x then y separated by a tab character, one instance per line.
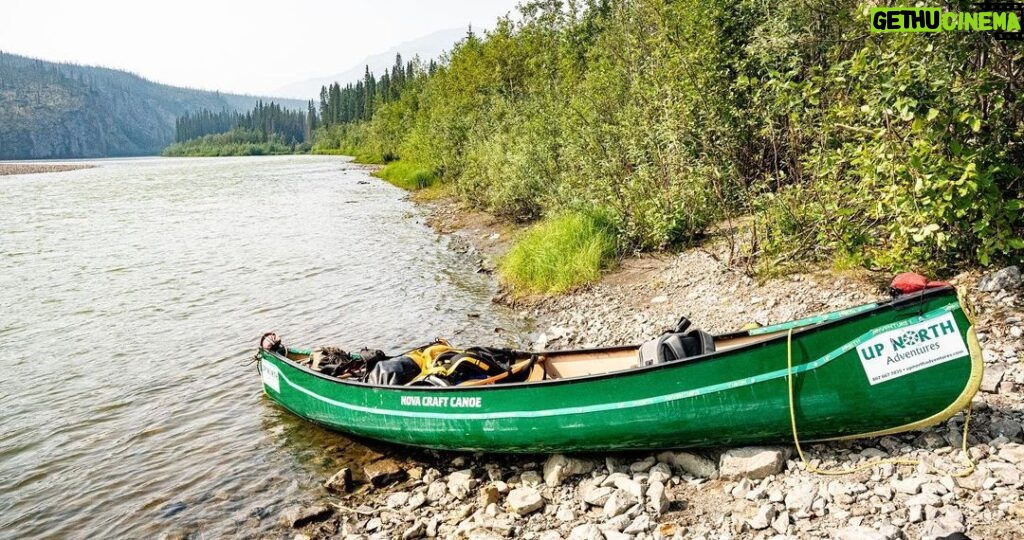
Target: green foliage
407	175
845	147
559	253
237	142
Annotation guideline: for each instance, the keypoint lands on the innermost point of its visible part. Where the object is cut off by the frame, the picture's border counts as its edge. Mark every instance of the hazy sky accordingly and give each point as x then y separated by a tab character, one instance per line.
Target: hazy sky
236	46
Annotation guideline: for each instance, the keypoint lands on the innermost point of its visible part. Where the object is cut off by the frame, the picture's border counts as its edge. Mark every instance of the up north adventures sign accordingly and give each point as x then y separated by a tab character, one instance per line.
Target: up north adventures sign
902	351
1003	19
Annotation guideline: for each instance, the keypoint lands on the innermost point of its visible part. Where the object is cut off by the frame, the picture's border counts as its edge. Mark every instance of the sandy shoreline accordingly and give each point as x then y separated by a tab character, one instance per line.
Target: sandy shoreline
699	494
7	169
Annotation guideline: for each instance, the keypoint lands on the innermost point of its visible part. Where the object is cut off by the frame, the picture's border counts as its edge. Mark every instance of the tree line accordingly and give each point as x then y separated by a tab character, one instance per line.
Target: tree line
357	101
266	119
818	140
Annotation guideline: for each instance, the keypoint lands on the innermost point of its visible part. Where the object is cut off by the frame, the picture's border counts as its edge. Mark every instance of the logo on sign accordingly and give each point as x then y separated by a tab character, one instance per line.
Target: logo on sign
905	350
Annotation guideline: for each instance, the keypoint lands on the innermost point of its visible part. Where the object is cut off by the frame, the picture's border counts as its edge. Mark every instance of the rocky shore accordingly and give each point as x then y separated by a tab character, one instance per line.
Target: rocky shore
7	169
716	493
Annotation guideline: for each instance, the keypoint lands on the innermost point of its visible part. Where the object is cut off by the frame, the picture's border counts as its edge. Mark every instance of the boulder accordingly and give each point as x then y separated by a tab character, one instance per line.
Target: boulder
752	462
559	467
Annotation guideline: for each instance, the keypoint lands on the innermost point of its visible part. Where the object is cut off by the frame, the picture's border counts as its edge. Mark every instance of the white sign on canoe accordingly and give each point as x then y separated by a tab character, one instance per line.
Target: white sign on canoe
912	348
270	375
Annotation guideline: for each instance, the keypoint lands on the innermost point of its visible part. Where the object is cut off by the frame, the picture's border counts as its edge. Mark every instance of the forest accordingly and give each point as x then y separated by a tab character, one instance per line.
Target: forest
267	129
652	123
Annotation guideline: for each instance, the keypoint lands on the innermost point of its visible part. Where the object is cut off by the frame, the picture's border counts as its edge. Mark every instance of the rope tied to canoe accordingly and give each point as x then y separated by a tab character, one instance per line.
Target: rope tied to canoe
966	471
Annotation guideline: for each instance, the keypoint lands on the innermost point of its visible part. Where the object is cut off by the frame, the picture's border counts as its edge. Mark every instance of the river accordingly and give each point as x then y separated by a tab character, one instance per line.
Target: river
133	297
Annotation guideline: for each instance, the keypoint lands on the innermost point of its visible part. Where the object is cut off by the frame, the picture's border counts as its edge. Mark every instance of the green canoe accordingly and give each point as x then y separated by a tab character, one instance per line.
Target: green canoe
871	370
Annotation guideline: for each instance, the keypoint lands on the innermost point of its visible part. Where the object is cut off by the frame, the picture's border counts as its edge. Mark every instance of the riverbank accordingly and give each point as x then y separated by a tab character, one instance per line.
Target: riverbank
7	169
711	493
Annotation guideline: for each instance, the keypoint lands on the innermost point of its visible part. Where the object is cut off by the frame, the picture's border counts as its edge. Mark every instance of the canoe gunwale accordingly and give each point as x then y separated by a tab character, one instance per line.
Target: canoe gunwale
912	300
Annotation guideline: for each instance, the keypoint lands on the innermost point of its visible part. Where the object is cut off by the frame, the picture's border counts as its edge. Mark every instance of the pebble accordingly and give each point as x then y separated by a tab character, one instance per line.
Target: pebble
524	501
460	483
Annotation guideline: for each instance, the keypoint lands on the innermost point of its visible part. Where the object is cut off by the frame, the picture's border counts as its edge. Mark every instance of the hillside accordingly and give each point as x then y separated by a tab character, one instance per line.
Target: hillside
53	110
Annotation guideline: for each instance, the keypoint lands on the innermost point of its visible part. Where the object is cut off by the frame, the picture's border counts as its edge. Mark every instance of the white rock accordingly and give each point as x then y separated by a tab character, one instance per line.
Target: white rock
549	535
530	478
909	486
437	491
417	530
1013	453
859	533
630	486
660	473
524	501
781	522
587	531
751	462
643	465
939	527
598	496
639	525
800	498
616	523
763	518
924	499
558	468
460	483
618	503
694	464
657	501
564	513
397	499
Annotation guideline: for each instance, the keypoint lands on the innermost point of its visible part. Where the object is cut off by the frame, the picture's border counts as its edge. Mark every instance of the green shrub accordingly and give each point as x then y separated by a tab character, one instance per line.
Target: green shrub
407	175
559	253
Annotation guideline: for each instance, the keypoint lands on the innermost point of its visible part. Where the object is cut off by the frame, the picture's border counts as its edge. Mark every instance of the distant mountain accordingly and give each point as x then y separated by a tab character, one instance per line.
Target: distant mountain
427	47
53	110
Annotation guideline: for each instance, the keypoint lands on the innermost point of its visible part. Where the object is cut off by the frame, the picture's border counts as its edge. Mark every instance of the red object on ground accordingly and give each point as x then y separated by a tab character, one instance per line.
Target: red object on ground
909	282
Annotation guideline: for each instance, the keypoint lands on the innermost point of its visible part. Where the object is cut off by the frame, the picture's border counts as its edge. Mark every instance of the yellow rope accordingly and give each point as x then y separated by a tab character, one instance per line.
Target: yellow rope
864	466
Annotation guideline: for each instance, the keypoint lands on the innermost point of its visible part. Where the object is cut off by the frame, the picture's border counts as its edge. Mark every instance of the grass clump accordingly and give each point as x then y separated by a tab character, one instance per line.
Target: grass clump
407	175
559	253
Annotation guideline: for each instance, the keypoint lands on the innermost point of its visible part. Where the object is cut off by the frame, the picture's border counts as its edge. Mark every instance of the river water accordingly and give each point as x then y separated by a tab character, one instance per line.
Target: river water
133	295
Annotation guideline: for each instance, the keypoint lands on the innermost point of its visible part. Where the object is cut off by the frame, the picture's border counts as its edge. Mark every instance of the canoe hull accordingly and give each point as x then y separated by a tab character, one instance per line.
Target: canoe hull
923	357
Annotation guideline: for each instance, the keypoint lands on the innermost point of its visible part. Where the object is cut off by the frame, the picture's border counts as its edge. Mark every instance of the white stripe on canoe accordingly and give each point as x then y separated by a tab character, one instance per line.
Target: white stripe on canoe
665	398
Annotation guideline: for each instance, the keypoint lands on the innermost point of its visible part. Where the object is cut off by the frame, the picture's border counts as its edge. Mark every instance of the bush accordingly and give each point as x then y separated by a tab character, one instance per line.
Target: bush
407	175
559	253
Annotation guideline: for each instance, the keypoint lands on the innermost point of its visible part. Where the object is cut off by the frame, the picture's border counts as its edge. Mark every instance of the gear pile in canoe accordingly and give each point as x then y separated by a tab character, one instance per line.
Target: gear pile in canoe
869	370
